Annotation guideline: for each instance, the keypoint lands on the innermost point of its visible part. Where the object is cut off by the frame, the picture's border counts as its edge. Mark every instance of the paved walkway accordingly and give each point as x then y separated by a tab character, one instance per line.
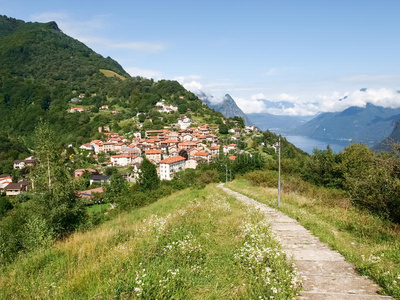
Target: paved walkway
325	273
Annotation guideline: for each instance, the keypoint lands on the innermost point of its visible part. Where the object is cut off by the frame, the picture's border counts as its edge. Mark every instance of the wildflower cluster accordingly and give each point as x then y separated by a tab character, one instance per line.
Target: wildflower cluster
155	224
187	246
390	281
139	281
265	263
372	258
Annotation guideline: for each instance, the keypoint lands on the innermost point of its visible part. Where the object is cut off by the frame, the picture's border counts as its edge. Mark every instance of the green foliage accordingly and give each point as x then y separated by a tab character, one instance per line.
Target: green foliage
181	247
182	108
372	180
262	178
53	209
10	150
117	188
148	178
223	129
322	168
42	69
5	205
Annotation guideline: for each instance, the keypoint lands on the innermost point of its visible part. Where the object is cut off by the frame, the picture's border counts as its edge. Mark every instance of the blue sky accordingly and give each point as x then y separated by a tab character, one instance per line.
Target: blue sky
310	53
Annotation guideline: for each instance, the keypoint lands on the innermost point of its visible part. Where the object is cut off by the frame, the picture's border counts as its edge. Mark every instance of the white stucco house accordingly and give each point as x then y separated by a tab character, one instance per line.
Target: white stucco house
171	165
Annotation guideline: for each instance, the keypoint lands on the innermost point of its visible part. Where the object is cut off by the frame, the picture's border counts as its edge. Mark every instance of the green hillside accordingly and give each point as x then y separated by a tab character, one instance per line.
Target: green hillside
195	244
43	51
43	69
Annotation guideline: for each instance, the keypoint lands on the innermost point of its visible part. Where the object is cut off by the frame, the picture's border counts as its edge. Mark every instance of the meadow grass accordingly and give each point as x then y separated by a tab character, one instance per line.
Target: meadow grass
109	73
98	208
194	244
369	241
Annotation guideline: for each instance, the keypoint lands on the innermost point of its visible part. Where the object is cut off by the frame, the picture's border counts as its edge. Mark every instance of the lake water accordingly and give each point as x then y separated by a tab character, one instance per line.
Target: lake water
308	144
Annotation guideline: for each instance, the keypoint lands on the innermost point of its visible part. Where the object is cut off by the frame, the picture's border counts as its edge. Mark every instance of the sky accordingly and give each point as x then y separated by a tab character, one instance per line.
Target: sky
308	53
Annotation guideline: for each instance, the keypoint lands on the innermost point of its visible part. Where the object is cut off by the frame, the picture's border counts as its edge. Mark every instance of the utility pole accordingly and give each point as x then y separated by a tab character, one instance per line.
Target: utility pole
226	173
279	172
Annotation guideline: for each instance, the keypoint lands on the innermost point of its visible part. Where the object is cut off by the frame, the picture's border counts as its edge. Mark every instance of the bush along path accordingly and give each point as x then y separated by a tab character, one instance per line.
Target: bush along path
325	273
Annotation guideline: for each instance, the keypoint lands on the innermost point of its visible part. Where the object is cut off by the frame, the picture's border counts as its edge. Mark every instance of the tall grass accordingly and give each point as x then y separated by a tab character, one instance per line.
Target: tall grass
365	239
195	244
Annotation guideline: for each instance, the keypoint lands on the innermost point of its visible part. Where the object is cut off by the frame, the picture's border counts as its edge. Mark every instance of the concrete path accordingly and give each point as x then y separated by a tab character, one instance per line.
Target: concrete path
325	273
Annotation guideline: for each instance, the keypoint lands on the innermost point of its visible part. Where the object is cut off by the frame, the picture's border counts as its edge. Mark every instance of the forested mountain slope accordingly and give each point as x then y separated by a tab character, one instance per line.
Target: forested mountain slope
42	69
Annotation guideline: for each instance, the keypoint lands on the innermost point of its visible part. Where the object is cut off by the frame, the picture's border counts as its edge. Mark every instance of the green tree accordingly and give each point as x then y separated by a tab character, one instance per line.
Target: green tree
223	129
142	117
322	168
54	197
118	187
148	178
371	180
182	108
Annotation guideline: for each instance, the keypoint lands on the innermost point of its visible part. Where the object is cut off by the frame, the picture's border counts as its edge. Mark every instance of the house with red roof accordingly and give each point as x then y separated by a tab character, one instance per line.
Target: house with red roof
80	172
5	179
86	146
154	154
76	109
171	165
122	160
202	156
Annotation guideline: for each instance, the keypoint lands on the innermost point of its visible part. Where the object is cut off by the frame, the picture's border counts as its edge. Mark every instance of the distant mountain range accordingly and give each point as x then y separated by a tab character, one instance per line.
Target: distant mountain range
394	138
263	121
276	123
369	124
227	107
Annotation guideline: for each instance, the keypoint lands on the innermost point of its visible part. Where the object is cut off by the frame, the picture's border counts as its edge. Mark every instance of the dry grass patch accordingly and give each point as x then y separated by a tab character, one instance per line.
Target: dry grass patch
109	73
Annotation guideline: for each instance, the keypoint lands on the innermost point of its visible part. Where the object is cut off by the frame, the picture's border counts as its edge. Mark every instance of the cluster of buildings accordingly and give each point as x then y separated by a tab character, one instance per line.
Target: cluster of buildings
171	151
15	188
165	108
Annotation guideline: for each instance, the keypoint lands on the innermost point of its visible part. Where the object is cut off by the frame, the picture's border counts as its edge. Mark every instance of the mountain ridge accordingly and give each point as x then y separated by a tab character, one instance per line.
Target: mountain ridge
369	124
43	69
227	107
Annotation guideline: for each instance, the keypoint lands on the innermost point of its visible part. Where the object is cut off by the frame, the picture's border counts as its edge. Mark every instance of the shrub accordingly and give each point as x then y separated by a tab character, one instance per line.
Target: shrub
208	176
263	178
5	205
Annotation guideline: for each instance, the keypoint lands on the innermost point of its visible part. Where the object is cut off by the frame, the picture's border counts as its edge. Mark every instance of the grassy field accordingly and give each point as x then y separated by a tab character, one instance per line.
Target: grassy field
109	73
98	208
371	243
194	244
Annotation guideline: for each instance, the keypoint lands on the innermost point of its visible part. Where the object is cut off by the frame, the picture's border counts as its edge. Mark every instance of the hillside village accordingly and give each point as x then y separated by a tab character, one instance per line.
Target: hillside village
175	148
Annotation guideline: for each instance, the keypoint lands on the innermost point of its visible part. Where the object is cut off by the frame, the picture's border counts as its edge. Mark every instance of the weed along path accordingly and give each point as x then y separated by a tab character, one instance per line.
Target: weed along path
325	273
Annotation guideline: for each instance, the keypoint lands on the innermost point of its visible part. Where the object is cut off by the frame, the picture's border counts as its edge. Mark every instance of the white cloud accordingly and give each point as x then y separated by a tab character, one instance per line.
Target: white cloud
258	96
334	102
286	97
191	83
250	106
134	71
380	97
89	32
